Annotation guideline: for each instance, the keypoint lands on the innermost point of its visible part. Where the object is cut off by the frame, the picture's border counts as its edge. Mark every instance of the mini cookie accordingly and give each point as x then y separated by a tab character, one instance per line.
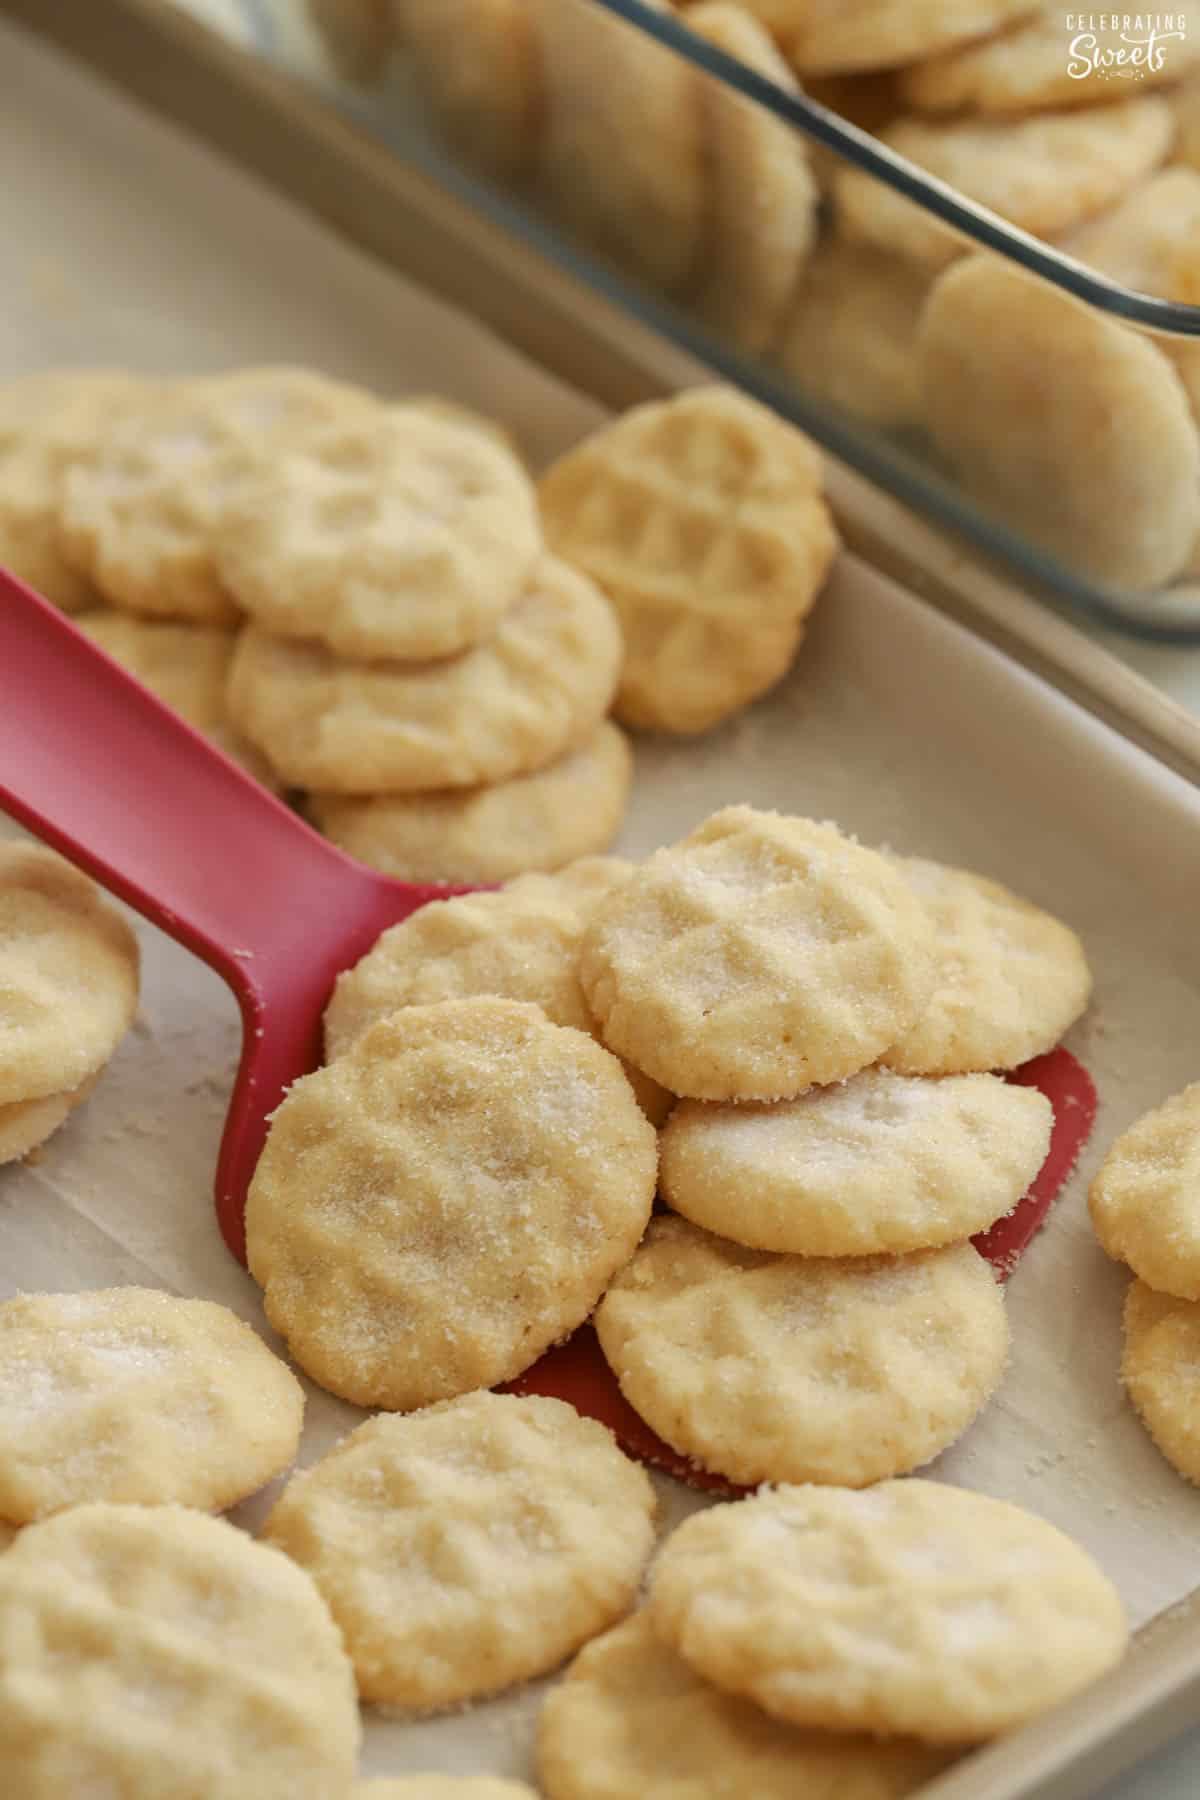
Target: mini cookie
790	1368
1009	978
186	667
476	66
412	1527
133	1395
603	1732
824	37
1159	1369
882	1162
570	808
46	423
140	515
531	694
68	975
443	1787
1028	69
762	217
519	944
393	534
1064	424
446	1200
25	1125
634	196
852	335
1045	174
1145	1199
756	957
914	1608
150	1651
702	519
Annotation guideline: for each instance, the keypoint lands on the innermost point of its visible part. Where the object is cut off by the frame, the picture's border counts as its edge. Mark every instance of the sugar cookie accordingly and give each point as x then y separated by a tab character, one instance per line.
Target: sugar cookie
881	1162
631	1718
521	943
48	421
762	202
1010	979
1159	1370
756	957
1029	69
1183	102
27	1124
185	666
851	337
68	975
139	516
634	196
913	1608
790	1368
453	1195
569	808
475	63
471	1546
275	403
393	534
701	517
1045	174
129	1394
824	37
531	694
151	1652
1095	456
1145	1198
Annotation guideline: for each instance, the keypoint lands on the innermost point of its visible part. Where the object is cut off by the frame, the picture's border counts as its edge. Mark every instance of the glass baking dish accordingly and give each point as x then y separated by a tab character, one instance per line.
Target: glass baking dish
1048	416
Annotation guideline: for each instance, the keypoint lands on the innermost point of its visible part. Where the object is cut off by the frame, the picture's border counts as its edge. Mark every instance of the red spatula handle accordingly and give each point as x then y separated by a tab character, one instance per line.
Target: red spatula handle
95	765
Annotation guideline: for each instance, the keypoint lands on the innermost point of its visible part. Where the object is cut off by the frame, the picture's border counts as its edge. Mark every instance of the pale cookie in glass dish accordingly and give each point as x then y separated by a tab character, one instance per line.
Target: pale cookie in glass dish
443	1787
535	822
470	1546
47	422
128	1394
445	1201
621	158
762	212
1160	1369
140	516
274	402
1009	978
1045	174
702	519
520	944
758	956
795	1368
1034	68
1145	1198
151	1652
1064	423
476	66
529	695
879	1163
827	37
851	335
391	535
631	1718
68	975
184	666
25	1125
913	1608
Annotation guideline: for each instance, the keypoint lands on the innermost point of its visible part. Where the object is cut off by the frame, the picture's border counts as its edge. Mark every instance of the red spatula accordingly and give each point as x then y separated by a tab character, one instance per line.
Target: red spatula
95	765
109	776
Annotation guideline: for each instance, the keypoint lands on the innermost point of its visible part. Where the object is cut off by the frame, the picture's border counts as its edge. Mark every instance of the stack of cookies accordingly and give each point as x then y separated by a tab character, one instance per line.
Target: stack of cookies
820	1022
68	993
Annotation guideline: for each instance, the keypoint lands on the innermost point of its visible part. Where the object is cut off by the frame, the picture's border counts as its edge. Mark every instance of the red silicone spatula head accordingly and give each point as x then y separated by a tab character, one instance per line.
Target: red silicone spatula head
95	765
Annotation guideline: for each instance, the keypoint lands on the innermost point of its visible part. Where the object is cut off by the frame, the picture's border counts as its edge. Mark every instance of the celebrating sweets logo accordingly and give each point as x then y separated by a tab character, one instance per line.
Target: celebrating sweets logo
1122	46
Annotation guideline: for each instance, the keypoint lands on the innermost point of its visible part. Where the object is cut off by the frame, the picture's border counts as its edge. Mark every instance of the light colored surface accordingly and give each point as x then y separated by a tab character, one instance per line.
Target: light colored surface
201	269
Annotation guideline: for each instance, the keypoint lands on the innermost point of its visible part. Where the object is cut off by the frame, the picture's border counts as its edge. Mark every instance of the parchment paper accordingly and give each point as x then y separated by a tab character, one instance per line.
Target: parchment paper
125	244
